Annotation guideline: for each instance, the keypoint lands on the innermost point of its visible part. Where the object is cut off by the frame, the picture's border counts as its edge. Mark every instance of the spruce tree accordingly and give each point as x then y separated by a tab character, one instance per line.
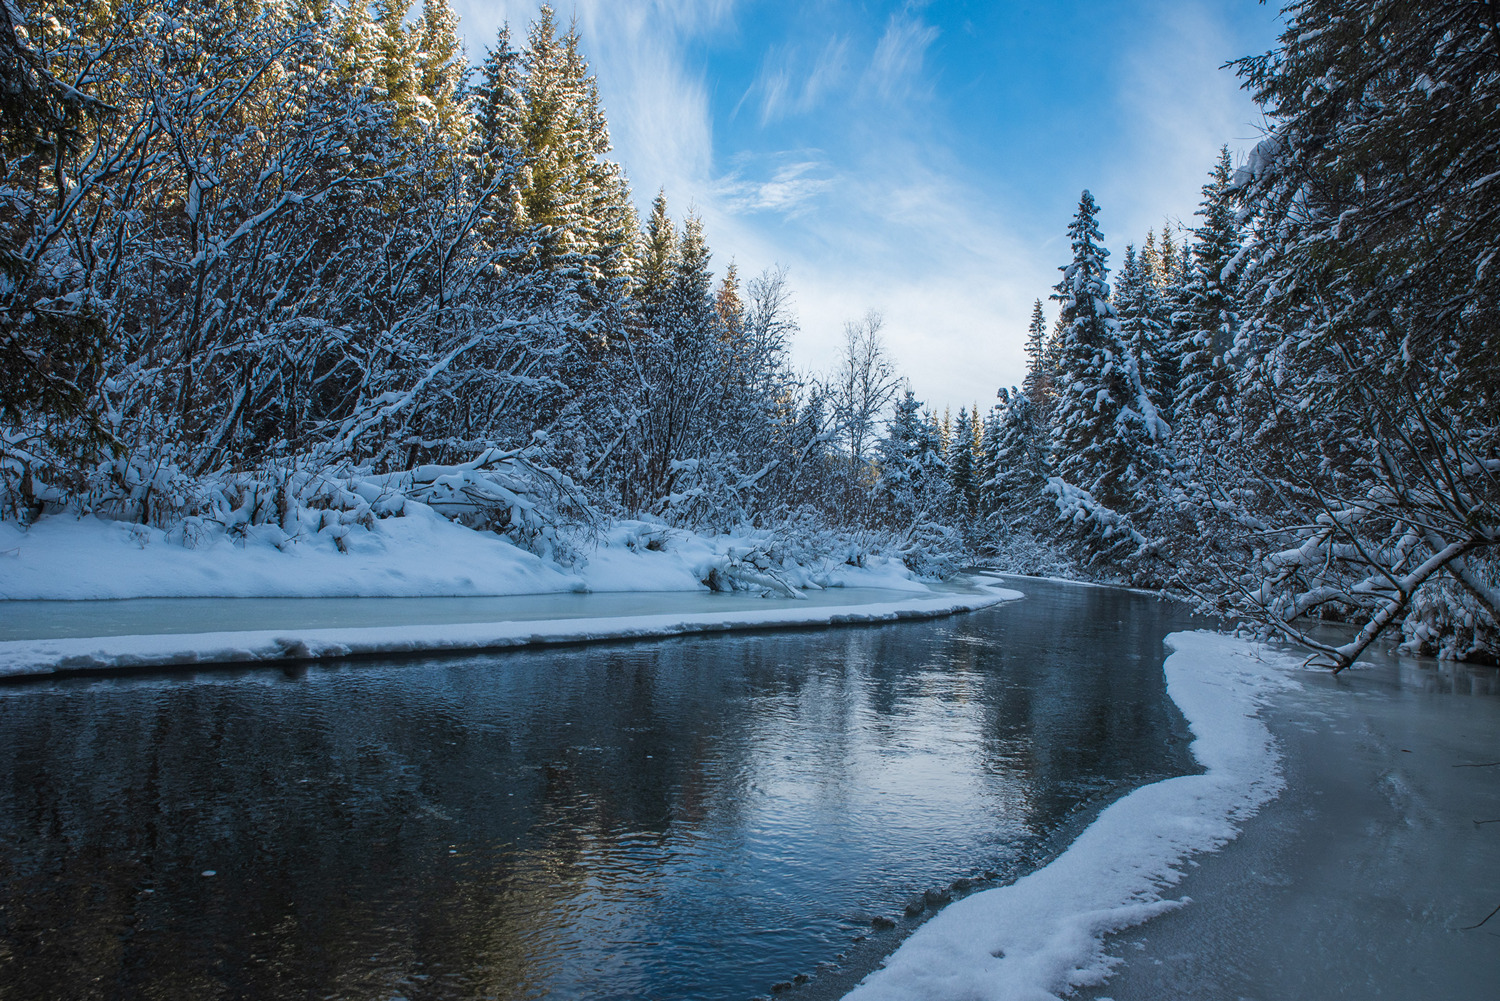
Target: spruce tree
1207	321
963	478
987	466
893	457
1144	323
397	78
498	155
976	438
1106	431
441	68
357	46
658	254
1168	265
736	356
690	301
807	456
1038	384
728	304
497	114
1150	264
1016	466
913	484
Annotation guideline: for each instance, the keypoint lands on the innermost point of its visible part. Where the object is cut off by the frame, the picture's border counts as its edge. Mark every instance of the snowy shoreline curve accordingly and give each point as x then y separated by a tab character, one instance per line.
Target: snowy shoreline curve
79	655
1043	935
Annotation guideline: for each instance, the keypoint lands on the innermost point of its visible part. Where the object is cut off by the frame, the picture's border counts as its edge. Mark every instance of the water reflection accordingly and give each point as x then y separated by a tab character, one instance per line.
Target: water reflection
691	818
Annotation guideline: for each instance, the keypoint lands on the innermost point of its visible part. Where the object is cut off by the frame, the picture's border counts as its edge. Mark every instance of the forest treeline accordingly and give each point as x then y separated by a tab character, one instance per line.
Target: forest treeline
292	263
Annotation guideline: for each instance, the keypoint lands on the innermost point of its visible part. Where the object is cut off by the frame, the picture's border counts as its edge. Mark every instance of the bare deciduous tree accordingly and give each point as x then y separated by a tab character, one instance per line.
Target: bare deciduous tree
863	385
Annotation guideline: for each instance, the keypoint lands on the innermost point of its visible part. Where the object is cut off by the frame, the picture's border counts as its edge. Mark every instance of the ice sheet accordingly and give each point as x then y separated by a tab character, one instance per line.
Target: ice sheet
1367	876
29	620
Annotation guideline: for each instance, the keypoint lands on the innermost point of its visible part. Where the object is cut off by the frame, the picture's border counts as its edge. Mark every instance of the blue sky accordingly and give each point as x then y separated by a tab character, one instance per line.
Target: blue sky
922	159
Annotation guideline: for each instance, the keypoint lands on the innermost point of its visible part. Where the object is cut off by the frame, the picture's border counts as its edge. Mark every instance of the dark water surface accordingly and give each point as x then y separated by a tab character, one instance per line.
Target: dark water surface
692	818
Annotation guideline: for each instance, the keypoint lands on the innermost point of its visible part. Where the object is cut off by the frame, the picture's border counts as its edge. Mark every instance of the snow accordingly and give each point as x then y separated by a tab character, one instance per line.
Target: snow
1043	935
420	554
71	654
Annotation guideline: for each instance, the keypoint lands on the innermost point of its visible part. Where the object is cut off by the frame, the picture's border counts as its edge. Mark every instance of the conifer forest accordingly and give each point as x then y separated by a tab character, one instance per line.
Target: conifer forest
298	263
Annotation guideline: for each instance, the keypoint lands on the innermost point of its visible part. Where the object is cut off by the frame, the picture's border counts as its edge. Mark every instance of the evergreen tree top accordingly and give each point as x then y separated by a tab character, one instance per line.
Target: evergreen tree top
728	304
498	91
659	253
1037	383
1218	238
1082	290
1129	279
1087	240
1168	262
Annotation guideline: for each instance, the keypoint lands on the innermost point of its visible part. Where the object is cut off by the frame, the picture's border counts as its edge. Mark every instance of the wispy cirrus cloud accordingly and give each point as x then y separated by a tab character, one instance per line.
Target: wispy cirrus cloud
896	67
795	79
797	178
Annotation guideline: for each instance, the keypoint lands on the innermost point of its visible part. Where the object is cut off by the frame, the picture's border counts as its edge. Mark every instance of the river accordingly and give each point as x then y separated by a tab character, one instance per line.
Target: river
694	818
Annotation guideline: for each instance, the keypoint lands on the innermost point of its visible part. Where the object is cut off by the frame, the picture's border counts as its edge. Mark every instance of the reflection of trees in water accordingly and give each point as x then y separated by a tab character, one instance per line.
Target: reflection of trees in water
327	821
1085	685
450	820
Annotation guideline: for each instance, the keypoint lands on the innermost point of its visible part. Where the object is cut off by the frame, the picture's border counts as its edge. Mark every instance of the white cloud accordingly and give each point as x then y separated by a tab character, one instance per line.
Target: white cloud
943	267
800	177
1177	107
792	81
896	67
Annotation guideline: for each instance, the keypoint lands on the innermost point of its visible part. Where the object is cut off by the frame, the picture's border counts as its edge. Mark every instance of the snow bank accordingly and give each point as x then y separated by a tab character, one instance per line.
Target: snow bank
1044	934
49	656
419	554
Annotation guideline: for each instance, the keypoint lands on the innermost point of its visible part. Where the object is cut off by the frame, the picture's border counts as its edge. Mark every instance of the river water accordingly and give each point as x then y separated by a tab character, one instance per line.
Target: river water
693	818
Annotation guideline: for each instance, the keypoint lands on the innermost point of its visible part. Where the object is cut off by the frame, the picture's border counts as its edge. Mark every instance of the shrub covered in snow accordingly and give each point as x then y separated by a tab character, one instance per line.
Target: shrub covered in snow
1447	621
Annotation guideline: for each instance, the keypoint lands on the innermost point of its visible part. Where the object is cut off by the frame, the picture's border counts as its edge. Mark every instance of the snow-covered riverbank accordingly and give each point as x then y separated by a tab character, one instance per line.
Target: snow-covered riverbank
1044	935
25	657
420	554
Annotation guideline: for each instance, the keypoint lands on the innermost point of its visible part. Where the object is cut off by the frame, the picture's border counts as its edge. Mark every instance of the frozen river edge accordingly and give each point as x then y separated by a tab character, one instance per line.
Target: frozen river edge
1045	935
1334	846
81	655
